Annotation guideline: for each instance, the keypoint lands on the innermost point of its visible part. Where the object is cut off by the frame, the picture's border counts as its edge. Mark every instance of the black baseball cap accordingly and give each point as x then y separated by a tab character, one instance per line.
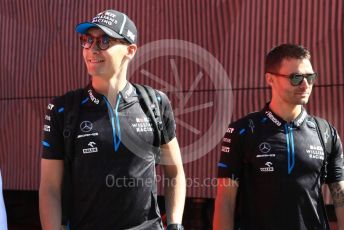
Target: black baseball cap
113	23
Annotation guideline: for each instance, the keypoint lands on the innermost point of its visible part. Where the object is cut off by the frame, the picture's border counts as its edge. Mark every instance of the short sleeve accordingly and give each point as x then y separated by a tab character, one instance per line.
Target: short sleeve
52	142
167	118
230	163
335	166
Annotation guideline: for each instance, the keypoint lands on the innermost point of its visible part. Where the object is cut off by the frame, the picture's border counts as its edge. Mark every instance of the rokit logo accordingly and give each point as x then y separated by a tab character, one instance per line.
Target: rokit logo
92	148
269	167
93	98
129	91
273	118
301	119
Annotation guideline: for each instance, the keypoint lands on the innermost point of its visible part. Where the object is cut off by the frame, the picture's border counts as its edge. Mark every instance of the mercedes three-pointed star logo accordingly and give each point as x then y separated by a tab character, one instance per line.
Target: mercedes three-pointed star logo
86	126
264	147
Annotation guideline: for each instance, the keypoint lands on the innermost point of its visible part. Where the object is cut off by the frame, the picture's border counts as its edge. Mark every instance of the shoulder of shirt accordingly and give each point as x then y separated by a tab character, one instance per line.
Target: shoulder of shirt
311	117
60	101
245	119
163	96
333	129
160	93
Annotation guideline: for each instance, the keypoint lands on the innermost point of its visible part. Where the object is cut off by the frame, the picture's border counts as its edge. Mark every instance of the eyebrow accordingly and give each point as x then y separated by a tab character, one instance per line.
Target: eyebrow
97	36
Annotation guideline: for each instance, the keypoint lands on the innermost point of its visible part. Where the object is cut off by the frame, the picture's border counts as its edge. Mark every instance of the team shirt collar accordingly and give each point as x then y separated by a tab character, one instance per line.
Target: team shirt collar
128	94
93	96
278	121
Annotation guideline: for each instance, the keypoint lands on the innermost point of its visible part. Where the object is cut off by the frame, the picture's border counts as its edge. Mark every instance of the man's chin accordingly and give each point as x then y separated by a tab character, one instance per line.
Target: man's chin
96	74
303	101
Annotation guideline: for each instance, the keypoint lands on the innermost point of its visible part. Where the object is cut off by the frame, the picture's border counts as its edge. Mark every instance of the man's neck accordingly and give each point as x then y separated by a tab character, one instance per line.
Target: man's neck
286	111
109	87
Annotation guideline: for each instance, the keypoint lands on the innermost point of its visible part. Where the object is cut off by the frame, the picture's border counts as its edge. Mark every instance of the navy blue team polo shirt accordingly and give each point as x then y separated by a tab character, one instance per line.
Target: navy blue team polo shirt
113	171
278	165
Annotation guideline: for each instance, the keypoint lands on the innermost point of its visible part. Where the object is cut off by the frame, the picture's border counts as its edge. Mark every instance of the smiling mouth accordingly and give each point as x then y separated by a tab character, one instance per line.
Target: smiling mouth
95	61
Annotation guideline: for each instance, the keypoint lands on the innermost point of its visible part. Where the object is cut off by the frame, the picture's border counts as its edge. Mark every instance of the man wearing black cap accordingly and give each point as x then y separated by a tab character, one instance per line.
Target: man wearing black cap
113	164
274	162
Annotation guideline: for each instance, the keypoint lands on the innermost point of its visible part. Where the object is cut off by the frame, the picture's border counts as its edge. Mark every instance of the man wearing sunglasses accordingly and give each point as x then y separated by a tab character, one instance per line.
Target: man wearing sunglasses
273	162
113	167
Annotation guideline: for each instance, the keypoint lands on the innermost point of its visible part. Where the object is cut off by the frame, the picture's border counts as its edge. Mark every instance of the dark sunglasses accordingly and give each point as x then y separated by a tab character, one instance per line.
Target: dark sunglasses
297	78
102	42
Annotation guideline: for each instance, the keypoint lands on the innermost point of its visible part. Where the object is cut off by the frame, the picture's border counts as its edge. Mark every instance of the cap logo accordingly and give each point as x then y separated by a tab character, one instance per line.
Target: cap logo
113	23
131	35
106	18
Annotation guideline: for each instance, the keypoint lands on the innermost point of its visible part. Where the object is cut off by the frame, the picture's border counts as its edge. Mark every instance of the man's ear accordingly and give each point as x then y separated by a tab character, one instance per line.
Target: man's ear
269	79
131	51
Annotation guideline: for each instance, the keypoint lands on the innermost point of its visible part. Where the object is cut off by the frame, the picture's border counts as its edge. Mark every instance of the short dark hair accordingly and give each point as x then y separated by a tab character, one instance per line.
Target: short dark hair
276	55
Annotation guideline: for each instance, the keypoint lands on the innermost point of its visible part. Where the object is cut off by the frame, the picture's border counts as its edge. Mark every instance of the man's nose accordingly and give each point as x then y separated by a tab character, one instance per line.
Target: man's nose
304	83
95	46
